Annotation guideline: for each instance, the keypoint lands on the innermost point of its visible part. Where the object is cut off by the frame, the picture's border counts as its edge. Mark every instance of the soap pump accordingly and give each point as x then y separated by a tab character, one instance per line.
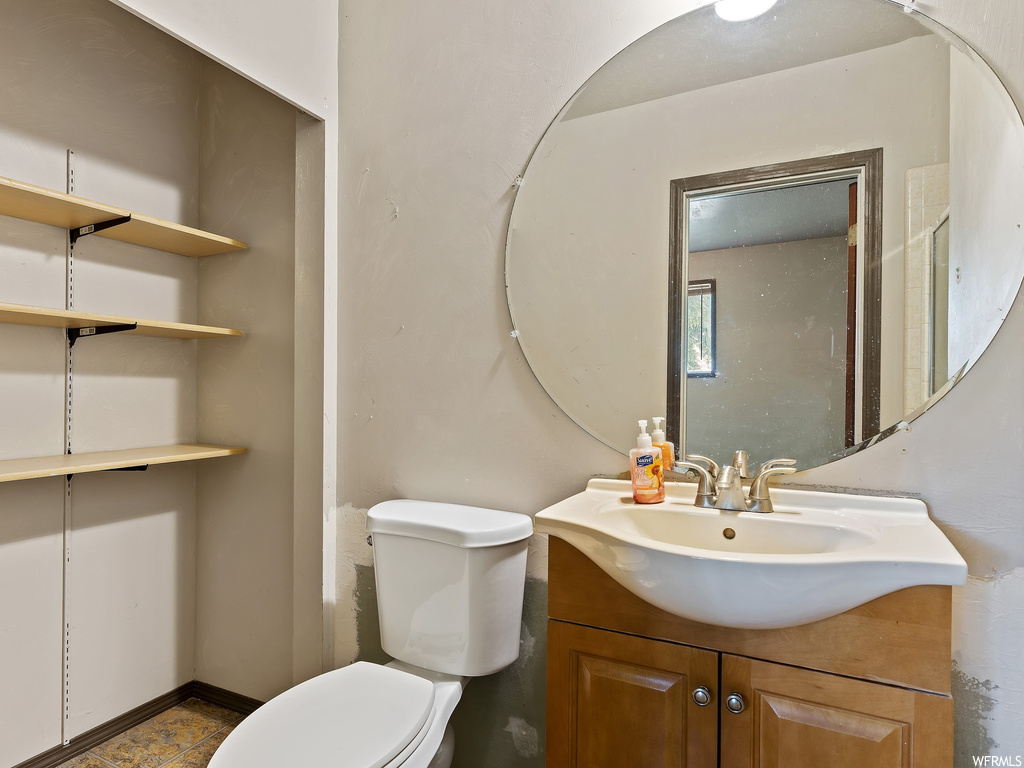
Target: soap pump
668	451
645	465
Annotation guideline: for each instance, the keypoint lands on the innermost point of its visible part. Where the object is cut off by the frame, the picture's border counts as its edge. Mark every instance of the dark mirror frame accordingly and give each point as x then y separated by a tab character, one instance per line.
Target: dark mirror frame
871	230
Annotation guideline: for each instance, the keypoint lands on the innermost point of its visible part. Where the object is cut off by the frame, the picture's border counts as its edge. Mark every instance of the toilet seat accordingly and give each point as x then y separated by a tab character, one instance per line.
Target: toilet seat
361	716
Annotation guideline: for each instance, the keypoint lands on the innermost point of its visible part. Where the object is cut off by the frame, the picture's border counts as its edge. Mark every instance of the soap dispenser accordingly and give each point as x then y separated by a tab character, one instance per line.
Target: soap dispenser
645	467
668	451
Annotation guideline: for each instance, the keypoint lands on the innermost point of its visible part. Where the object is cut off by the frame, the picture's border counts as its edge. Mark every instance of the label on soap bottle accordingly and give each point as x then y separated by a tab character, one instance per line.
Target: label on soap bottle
646	470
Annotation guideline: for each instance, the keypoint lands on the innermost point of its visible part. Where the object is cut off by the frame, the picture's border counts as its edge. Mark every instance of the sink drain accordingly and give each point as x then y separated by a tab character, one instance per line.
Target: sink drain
729	533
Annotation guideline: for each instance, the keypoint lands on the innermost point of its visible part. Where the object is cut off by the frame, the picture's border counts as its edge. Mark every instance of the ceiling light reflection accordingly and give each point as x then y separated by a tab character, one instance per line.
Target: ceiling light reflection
742	10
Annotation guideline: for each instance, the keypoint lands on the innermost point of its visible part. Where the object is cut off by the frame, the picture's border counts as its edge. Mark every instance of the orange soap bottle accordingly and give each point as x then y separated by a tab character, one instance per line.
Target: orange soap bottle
646	469
668	451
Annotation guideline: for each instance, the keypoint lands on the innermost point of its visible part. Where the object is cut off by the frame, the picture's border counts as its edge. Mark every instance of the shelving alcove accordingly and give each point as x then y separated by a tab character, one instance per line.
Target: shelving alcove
82	217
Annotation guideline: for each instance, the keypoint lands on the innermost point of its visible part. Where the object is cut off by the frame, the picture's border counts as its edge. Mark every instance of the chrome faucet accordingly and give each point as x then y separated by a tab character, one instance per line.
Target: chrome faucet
759	500
776	463
705	498
730	490
713	467
741	461
722	487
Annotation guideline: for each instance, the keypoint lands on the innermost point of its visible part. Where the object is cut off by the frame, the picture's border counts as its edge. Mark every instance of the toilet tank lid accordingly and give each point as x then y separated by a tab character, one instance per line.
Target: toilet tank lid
454	524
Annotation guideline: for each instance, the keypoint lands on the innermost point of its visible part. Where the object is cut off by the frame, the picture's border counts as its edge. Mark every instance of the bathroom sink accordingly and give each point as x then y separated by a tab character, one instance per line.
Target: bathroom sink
817	555
751	533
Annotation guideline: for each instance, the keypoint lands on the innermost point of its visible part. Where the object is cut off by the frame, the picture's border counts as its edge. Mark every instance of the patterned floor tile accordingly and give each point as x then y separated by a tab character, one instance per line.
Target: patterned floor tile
132	749
185	736
85	761
217	712
182	725
158	740
199	756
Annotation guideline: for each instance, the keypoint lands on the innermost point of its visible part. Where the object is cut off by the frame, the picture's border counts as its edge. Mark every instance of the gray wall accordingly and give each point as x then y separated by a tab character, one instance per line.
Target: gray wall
244	595
780	388
444	105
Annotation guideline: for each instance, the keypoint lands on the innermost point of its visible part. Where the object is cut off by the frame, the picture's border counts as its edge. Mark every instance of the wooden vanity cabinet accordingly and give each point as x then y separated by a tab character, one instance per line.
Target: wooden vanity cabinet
866	689
798	718
627	701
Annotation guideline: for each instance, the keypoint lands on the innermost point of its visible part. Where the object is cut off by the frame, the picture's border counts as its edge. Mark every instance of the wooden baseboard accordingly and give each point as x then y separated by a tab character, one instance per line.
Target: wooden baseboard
109	729
236	702
118	725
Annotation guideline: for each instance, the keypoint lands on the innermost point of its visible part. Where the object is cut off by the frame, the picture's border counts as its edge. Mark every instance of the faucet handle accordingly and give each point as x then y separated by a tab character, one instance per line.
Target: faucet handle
741	460
705	486
775	463
759	500
712	464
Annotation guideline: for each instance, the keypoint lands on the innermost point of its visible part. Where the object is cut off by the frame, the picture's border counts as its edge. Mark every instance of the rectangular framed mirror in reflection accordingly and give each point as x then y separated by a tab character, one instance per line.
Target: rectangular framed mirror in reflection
793	250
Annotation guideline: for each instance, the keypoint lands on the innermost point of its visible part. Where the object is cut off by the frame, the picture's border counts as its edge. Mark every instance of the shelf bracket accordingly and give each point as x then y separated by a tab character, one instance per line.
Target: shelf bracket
138	468
74	334
91	229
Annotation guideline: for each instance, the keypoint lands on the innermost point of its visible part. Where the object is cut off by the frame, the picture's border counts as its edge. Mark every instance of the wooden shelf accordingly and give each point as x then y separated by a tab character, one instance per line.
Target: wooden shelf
19	314
27	201
100	461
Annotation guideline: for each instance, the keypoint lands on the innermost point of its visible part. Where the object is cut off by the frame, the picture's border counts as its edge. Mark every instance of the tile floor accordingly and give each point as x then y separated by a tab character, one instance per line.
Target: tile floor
185	736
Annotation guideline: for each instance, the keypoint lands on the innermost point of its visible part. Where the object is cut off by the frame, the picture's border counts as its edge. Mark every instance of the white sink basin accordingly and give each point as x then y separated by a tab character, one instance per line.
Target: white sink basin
817	555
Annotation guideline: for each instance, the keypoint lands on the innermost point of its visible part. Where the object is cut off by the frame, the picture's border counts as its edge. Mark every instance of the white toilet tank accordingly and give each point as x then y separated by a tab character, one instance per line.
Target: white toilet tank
450	584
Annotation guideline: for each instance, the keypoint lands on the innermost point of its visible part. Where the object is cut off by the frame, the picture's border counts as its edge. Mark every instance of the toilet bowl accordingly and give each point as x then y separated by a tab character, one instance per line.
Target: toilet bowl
450	595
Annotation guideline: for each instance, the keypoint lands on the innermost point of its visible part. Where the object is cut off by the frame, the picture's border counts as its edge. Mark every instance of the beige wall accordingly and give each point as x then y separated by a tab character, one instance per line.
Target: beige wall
986	246
247	391
92	78
288	48
291	50
31	550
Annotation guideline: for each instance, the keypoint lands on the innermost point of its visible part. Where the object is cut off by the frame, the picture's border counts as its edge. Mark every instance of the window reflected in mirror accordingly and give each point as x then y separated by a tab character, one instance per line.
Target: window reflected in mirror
700	328
939	247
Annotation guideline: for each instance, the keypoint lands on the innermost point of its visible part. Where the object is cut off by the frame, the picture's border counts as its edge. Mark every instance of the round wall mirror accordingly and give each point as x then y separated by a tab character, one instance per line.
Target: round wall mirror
790	234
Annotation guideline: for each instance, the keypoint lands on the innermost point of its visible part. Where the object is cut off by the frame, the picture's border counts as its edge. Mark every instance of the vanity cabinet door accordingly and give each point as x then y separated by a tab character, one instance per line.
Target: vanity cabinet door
618	700
797	718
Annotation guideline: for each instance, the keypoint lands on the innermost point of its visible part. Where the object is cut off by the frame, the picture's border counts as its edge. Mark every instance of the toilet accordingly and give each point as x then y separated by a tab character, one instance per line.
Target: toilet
450	584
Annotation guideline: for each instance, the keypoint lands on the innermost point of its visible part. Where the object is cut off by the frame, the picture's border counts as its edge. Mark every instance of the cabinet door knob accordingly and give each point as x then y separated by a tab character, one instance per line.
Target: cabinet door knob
702	696
734	703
